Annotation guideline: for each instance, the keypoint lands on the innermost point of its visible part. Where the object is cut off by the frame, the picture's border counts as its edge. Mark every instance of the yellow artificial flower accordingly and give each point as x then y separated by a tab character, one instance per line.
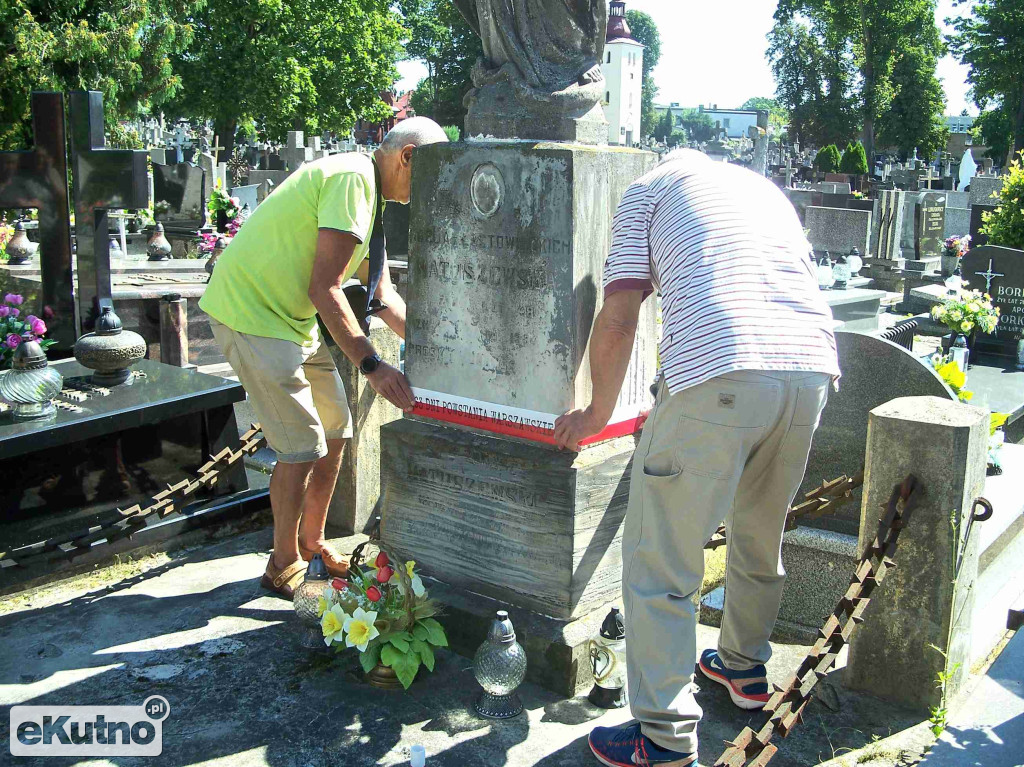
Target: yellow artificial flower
417	583
333	624
359	629
967	326
321	606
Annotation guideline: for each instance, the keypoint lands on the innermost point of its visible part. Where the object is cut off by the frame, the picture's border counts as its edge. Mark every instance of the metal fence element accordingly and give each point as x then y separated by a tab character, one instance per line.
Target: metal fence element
754	749
824	499
901	334
133	519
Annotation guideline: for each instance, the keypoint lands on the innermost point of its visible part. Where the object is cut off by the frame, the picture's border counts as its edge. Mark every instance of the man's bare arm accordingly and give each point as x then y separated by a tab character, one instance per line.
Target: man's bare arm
334	253
394	315
611	346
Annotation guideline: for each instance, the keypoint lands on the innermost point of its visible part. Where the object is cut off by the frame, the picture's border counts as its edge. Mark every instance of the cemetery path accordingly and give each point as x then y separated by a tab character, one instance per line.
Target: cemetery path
197	629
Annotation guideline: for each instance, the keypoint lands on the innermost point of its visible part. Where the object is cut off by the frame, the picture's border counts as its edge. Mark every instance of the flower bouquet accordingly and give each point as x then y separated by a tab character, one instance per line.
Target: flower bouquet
223	207
952	375
953	249
967	313
6	233
207	244
13	327
384	612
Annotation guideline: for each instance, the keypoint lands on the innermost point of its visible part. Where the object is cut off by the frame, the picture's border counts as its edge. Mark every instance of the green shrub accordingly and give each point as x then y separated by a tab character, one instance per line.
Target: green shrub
1005	225
828	159
453	132
855	159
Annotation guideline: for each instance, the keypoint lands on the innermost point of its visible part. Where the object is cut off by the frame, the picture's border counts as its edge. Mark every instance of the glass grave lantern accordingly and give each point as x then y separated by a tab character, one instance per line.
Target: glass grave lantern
306	601
500	667
856	262
841	273
955	282
825	278
608	661
31	384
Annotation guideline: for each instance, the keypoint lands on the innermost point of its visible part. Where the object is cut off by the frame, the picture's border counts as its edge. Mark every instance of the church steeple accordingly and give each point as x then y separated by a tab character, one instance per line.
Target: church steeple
618	27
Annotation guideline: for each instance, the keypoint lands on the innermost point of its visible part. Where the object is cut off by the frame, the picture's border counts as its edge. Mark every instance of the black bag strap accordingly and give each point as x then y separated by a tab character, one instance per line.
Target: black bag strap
378	250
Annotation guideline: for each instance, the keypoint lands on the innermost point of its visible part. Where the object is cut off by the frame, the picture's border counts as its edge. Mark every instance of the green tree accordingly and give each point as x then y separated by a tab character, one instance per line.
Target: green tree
828	159
122	48
855	159
308	65
441	38
698	125
646	32
871	35
664	127
813	83
778	115
990	40
1005	225
915	115
994	129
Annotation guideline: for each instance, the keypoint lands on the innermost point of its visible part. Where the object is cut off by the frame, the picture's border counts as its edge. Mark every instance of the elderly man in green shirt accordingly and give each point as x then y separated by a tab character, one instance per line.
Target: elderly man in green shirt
286	265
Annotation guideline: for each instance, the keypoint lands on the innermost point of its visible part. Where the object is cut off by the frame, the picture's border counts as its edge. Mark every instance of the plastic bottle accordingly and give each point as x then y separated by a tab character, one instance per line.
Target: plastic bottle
419	756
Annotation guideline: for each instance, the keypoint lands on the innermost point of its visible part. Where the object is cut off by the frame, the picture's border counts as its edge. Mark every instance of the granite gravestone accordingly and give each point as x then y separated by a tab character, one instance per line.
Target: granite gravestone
247	195
183	188
874	371
890	224
978	223
930	226
1000	273
838	230
983	189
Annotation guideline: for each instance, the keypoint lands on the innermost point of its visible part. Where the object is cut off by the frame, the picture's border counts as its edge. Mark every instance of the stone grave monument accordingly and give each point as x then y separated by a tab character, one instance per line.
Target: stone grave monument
929	232
507	241
1000	273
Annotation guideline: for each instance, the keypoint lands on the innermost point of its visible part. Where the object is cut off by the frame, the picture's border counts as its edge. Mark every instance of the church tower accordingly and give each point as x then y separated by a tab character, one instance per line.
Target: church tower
623	70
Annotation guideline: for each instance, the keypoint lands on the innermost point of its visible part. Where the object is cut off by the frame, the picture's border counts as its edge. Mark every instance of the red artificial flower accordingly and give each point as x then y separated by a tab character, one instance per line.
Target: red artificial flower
384	574
382	560
373	594
339	585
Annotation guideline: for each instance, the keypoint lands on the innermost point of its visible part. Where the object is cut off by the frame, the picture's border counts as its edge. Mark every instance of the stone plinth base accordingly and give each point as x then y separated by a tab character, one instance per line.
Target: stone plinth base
494	112
818	565
519	522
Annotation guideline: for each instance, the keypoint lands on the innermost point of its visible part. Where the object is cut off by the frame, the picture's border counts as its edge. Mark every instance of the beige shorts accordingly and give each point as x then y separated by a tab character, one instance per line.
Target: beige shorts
296	392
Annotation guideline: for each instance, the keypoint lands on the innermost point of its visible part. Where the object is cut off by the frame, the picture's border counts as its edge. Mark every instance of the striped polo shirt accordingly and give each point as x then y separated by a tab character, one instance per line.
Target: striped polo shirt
725	249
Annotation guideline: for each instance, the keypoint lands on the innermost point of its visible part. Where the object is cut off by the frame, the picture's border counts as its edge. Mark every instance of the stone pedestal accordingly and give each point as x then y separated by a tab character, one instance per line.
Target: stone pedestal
354	505
525	524
926	602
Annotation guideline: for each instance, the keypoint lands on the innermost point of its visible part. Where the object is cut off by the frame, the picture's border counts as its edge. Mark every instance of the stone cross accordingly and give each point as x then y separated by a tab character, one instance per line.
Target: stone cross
989	275
104	179
216	149
38	178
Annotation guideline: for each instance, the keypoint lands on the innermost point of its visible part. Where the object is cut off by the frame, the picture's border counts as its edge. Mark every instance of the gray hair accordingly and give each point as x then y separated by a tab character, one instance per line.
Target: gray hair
418	131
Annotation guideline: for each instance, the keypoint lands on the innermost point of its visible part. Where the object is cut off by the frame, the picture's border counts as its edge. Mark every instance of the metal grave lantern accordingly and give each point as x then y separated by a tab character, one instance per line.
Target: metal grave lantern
19	249
608	661
110	350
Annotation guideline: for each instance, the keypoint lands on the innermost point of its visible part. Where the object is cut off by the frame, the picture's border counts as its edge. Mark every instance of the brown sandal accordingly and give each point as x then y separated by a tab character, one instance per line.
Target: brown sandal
283	582
337	565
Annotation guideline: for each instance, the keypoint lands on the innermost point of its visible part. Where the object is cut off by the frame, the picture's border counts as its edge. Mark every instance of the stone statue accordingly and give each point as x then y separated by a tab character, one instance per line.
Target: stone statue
541	73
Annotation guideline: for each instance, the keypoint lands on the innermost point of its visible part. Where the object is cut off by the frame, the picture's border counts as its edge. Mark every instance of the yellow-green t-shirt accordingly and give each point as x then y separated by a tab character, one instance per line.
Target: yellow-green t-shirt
260	284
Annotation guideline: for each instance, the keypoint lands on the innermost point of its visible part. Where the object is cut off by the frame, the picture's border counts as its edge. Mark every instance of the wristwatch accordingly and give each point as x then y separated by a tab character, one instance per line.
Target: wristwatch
370	364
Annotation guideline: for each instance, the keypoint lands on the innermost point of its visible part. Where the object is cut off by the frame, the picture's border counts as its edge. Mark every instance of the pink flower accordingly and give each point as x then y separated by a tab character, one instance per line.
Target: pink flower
15	312
37	325
4	311
13	340
13	299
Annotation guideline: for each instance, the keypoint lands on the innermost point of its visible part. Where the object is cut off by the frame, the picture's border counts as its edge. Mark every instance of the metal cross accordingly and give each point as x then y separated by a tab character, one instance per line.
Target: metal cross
38	178
989	275
104	179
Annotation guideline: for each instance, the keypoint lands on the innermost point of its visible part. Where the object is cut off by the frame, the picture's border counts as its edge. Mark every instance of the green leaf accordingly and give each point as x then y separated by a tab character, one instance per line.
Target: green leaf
370	658
389	655
419	631
435	632
425	651
405	667
400	641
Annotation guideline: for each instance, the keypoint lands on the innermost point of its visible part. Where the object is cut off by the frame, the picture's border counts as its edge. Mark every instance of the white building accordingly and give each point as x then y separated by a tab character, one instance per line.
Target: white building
623	73
735	122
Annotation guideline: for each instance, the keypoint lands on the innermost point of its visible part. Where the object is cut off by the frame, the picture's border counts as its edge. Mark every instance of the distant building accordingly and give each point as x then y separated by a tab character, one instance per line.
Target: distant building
366	132
735	122
959	123
623	73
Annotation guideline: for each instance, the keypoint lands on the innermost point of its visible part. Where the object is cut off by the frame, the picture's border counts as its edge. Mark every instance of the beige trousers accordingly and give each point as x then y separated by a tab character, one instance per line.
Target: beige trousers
735	449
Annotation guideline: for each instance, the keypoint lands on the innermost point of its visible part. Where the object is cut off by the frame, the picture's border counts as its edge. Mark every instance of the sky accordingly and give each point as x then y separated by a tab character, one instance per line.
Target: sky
713	53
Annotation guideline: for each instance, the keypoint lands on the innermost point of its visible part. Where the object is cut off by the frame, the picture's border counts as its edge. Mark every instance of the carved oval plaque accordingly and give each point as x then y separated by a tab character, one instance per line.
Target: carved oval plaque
487	189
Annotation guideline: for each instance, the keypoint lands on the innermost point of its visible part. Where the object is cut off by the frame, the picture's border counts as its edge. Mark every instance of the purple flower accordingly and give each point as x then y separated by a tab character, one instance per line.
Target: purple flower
4	311
37	325
13	340
13	299
15	312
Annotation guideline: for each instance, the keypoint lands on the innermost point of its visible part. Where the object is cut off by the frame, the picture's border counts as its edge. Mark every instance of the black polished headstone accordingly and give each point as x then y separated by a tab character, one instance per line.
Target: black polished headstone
38	178
183	188
930	225
104	179
977	222
1000	273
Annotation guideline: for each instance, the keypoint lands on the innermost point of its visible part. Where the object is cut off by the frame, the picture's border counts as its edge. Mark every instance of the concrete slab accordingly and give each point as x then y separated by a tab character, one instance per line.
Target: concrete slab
196	628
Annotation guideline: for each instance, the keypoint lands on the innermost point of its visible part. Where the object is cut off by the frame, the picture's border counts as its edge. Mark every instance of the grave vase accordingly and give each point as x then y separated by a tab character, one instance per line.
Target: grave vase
949	264
222	221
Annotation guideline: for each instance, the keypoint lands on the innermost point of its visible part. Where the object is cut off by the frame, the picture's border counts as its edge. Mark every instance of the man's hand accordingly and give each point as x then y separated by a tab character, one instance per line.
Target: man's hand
575	426
390	383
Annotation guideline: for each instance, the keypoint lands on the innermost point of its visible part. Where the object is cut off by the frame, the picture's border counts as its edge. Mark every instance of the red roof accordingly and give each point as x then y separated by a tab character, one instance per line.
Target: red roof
618	27
403	106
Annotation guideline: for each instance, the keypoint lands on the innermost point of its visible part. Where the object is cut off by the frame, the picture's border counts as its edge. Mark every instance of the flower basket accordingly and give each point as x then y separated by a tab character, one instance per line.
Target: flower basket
383	611
966	314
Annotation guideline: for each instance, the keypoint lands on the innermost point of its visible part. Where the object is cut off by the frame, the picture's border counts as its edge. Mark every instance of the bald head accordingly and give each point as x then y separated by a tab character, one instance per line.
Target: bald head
416	131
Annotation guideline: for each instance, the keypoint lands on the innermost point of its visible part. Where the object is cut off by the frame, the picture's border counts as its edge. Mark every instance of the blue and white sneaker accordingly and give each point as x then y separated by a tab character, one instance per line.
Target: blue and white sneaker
629	747
748	688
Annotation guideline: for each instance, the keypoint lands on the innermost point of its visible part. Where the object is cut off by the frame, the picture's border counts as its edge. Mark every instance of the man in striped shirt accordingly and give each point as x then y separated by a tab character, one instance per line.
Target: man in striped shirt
747	356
